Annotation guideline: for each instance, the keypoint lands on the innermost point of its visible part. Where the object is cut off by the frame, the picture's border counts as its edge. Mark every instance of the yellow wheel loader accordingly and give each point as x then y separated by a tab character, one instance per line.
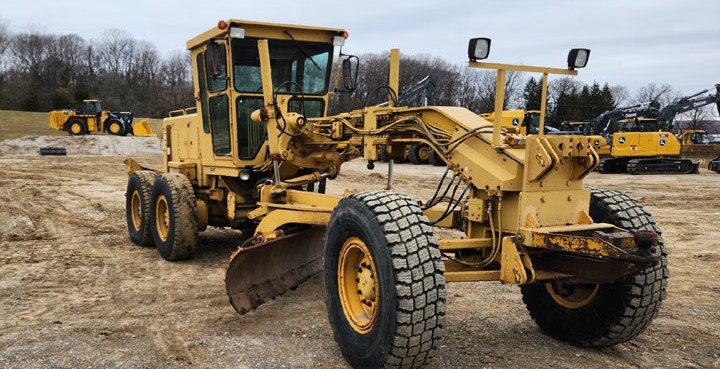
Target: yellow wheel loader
90	117
258	151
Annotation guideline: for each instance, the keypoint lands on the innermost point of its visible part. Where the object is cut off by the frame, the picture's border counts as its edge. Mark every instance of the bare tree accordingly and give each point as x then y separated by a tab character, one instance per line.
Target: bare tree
477	90
561	86
621	95
662	93
699	118
176	75
117	50
4	40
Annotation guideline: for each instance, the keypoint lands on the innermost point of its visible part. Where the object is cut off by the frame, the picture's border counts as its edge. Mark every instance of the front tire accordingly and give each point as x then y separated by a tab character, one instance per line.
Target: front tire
115	127
173	218
138	205
384	284
602	315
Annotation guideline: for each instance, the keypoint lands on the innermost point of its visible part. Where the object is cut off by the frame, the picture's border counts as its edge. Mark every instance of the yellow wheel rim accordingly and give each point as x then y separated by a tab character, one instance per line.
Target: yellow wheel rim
75	128
572	296
162	217
423	153
114	128
136	210
358	285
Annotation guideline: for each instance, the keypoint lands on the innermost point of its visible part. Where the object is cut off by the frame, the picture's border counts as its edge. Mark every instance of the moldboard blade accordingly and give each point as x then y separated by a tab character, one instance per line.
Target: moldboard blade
261	272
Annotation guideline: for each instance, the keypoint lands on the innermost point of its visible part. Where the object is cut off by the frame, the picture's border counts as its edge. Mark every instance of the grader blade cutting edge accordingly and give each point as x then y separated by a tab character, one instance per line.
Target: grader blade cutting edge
260	273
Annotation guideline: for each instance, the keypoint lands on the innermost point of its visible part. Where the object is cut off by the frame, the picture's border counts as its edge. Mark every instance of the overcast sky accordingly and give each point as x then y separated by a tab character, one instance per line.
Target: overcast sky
633	42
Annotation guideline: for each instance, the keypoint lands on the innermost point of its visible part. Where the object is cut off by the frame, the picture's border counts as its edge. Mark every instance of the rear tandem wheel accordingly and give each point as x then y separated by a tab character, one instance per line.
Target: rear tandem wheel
602	315
384	284
173	218
137	206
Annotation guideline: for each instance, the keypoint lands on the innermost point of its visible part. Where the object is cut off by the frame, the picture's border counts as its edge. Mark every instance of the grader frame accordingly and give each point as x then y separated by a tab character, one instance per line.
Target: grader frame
528	219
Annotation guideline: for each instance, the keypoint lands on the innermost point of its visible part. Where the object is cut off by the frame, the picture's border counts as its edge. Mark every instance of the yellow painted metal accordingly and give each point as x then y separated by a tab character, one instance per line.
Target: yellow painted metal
279	217
438	211
142	129
512	269
571	295
645	144
115	128
469	275
500	90
464	243
267	30
358	285
543	102
136	209
499	105
162	217
523	68
133	166
394	78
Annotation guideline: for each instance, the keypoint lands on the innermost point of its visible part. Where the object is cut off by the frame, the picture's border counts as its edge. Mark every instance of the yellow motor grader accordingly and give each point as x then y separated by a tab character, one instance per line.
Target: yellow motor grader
259	149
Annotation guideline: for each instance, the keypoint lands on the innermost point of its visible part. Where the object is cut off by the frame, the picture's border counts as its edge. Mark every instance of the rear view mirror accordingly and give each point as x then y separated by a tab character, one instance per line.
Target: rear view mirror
213	60
350	65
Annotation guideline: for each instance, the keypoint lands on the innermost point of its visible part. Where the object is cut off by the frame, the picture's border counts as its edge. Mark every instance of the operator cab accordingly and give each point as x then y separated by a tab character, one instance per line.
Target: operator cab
640	125
230	82
91	107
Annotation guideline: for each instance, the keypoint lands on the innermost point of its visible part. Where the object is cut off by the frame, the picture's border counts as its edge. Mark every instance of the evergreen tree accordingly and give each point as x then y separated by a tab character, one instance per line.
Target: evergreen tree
532	94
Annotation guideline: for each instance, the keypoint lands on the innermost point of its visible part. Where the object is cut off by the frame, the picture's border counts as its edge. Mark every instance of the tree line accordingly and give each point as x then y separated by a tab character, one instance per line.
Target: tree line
568	99
41	72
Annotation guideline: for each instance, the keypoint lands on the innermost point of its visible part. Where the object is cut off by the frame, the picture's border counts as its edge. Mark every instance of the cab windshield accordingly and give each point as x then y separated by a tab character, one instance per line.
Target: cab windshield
305	63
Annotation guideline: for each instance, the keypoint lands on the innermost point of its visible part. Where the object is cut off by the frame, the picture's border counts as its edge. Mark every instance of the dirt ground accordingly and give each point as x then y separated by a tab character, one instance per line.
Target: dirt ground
76	293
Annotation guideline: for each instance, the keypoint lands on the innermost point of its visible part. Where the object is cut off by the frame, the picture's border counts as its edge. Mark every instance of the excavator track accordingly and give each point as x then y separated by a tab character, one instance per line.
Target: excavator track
662	166
264	271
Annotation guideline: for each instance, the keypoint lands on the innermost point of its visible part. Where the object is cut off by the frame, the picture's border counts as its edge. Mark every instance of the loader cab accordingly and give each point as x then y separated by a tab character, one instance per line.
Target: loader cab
91	107
229	82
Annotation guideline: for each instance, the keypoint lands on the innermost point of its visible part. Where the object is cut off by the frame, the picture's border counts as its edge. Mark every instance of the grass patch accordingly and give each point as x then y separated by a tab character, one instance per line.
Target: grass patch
16	124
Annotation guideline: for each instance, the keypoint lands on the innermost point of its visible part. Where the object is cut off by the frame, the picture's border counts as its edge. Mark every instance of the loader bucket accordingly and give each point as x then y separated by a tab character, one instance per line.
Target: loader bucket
142	129
261	272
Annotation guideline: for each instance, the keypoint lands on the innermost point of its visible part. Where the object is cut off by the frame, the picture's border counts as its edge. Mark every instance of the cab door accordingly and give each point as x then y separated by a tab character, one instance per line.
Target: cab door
214	99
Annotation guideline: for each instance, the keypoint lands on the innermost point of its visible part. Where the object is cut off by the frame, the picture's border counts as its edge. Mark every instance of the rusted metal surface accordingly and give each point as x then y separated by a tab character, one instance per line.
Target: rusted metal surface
259	273
595	270
599	244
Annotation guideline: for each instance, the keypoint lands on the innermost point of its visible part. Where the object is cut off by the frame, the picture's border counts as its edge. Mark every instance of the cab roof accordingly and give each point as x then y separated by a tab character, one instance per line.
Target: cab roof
269	31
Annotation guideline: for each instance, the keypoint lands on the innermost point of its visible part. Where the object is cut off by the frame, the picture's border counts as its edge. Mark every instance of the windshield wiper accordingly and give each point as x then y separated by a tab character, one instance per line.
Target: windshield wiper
299	46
